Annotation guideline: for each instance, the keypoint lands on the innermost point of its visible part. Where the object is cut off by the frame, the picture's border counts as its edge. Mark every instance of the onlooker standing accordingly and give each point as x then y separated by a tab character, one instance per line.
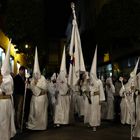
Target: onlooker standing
19	89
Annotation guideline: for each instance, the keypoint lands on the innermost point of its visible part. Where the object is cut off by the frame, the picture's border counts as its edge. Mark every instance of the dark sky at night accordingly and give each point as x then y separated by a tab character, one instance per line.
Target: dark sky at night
35	22
28	18
108	23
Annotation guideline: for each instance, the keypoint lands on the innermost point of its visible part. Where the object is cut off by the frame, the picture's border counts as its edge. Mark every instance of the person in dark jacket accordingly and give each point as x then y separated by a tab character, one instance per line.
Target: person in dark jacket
19	89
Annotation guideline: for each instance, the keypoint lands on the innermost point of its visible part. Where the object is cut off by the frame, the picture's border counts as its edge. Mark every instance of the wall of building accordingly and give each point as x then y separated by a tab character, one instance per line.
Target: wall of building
15	59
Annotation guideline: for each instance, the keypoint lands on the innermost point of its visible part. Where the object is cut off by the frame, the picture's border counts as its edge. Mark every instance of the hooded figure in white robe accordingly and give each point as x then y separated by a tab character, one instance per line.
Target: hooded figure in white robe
136	132
52	94
38	116
97	95
80	98
110	91
85	90
127	104
52	89
7	125
75	92
62	107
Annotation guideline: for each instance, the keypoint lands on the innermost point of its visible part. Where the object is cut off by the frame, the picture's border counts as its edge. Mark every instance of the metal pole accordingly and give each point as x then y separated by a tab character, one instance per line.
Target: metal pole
23	107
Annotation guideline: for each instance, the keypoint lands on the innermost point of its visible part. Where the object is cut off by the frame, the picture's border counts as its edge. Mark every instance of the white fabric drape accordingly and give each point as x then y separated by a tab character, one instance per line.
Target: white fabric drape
38	116
7	125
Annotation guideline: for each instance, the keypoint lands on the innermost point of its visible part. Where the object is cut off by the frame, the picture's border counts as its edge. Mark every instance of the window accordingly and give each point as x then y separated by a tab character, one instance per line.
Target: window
12	64
1	50
3	56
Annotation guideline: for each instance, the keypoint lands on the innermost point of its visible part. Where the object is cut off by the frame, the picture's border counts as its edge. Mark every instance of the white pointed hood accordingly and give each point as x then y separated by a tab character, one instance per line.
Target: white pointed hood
63	62
87	74
134	72
93	71
62	75
136	67
53	77
5	69
36	71
132	80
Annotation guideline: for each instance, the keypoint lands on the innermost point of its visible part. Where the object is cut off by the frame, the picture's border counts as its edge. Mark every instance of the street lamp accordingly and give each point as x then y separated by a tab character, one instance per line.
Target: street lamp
26	46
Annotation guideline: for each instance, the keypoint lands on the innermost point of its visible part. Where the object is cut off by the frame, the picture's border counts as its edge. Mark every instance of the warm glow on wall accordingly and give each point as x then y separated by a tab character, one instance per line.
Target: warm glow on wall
4	40
12	50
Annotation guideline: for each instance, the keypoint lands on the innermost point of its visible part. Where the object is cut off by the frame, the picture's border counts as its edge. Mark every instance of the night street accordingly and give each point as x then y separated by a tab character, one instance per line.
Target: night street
67	64
80	132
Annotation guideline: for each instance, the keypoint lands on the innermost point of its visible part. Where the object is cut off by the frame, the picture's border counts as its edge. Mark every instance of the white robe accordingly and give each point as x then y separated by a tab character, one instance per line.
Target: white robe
127	105
110	102
52	92
124	109
78	101
73	105
74	96
38	116
62	107
95	106
85	90
137	125
52	98
7	125
80	104
87	110
81	98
